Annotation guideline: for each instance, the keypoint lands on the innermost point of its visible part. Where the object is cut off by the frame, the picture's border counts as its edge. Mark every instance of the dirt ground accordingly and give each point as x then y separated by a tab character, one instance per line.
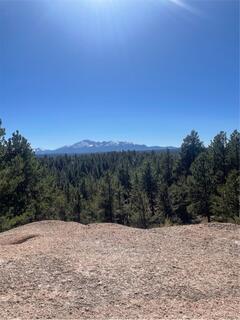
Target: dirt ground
59	270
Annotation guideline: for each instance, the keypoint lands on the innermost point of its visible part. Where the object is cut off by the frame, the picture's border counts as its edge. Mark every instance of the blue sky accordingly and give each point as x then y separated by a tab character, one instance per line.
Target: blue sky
146	71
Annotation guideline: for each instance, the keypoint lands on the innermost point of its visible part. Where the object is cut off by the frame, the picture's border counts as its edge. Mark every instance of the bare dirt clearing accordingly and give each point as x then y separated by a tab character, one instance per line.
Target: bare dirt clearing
62	270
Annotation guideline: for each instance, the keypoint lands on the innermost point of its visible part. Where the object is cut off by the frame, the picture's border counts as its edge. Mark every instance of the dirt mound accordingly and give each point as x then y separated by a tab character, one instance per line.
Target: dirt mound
60	270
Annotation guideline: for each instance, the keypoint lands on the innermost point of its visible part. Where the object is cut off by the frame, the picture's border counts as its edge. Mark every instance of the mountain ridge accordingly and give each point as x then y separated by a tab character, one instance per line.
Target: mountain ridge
91	146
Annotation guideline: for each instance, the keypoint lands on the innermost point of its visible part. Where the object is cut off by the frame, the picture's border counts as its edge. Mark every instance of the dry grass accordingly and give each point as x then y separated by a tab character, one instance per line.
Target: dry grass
64	270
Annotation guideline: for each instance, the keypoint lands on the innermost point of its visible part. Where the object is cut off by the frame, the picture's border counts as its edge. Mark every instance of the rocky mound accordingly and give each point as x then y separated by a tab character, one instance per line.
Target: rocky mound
62	270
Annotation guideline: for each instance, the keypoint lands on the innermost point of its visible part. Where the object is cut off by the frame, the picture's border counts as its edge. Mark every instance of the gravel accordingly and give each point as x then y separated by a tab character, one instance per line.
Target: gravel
65	270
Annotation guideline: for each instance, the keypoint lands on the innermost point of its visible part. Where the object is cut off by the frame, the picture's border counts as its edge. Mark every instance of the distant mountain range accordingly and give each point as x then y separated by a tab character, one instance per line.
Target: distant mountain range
89	146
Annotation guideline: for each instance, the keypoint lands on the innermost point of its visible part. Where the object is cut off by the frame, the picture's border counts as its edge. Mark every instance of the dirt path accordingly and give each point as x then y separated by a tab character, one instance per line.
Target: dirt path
104	271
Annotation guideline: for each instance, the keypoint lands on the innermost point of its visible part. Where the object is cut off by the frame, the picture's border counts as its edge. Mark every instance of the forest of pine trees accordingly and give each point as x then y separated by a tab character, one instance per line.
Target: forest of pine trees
141	189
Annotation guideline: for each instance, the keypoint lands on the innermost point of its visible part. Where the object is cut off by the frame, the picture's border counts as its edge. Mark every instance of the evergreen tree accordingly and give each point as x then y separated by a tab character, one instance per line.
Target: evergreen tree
180	201
2	141
140	189
233	151
125	181
150	186
77	206
218	159
190	149
140	215
200	188
225	205
167	168
107	199
121	214
26	190
164	202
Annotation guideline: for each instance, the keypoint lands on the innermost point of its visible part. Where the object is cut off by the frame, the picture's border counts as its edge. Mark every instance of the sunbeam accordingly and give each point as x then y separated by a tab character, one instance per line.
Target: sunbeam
185	6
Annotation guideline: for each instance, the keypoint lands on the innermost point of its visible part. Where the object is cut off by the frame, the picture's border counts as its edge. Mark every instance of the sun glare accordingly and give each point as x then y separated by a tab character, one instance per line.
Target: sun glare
182	4
100	23
116	5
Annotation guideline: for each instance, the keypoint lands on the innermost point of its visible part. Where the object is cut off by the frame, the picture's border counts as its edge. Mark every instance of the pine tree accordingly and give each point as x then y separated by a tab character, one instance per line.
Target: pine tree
149	185
179	201
167	168
125	181
121	216
78	206
140	213
164	202
107	199
225	205
218	159
190	149
27	191
233	151
133	188
2	141
200	188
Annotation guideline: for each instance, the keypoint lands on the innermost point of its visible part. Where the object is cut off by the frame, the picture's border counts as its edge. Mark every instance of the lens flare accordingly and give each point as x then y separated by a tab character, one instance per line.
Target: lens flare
182	4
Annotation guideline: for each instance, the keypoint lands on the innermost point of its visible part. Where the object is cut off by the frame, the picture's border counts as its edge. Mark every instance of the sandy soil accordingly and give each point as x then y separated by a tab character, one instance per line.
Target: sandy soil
64	270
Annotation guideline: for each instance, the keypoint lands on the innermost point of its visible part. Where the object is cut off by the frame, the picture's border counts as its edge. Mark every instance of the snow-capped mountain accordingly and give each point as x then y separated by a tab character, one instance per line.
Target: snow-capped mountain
39	150
89	146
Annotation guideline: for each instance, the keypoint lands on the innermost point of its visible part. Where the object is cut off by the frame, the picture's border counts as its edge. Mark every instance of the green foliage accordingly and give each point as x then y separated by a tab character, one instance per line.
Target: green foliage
140	210
199	184
149	186
142	189
27	191
179	197
225	204
233	151
166	170
165	208
107	199
218	159
190	149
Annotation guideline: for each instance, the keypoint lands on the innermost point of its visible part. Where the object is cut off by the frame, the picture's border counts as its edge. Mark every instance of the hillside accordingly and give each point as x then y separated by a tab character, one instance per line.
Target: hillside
61	270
